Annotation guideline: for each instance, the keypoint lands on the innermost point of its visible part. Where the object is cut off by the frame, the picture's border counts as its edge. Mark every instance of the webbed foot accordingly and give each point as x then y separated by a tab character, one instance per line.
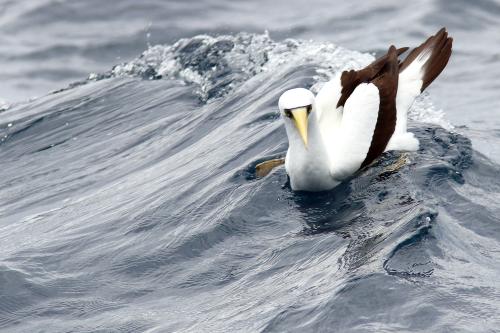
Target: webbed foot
396	166
264	168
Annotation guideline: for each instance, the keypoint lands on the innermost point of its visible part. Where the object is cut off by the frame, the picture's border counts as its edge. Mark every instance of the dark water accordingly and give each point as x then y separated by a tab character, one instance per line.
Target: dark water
128	201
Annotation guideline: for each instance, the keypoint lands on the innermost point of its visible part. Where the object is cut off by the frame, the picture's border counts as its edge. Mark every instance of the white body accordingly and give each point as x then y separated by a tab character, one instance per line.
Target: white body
339	138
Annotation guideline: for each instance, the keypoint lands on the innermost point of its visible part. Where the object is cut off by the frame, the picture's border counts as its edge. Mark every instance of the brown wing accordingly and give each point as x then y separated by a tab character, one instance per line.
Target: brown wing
387	84
439	47
352	78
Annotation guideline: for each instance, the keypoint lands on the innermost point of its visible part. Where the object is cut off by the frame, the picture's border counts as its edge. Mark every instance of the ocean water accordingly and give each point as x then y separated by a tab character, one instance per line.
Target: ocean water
129	133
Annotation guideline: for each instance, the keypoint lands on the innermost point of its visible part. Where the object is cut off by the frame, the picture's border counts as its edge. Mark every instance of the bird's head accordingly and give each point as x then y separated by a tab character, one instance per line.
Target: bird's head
295	107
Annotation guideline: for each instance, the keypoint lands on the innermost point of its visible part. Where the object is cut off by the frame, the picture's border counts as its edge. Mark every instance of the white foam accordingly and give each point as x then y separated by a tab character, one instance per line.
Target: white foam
4	105
208	62
424	111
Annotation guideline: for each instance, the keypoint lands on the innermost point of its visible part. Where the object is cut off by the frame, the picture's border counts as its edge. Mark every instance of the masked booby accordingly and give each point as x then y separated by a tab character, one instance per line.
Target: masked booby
357	115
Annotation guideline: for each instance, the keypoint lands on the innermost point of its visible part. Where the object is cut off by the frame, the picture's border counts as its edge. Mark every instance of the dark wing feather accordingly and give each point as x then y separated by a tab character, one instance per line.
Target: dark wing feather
352	78
439	47
387	84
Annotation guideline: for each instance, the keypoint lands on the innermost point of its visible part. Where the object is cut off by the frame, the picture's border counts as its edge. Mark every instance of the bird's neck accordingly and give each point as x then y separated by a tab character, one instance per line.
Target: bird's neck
309	168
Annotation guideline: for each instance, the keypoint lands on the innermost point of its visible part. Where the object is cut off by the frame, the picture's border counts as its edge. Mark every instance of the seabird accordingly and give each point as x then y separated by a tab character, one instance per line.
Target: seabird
356	116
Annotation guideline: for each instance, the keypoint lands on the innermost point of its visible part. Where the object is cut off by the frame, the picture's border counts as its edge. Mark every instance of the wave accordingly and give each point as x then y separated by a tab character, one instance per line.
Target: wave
219	65
137	186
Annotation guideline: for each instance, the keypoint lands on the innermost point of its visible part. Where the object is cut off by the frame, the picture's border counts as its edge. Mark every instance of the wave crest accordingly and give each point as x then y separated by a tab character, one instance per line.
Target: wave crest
217	66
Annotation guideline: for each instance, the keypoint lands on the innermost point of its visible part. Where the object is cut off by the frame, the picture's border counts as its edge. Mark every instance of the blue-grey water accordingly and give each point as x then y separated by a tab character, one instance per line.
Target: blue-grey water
128	200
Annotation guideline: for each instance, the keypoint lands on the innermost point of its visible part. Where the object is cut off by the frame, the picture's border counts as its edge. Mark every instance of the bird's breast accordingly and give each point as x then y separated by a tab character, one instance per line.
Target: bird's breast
309	173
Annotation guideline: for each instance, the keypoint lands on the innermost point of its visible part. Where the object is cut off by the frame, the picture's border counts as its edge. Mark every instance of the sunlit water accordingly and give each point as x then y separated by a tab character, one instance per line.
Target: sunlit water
128	200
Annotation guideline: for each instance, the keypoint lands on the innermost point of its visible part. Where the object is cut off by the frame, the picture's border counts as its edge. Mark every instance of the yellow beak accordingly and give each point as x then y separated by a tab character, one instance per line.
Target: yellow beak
300	119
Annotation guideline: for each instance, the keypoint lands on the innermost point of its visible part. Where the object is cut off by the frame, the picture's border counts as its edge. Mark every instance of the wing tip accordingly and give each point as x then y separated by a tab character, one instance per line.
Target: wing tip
439	46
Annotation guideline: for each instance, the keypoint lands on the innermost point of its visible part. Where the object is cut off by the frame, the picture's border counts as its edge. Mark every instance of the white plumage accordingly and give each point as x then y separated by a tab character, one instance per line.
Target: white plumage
329	142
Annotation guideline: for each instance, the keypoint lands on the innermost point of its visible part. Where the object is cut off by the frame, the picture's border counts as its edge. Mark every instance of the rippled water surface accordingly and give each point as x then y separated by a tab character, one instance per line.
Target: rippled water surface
128	199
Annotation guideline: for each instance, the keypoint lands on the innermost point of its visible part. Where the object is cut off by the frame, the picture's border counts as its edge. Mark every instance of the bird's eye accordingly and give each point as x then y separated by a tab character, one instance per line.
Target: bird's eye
309	109
288	113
